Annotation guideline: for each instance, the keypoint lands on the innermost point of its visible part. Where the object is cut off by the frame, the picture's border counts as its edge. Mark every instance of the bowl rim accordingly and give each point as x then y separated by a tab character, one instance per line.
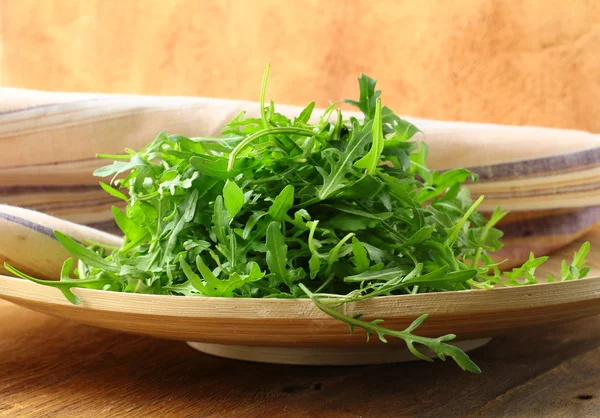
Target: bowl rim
459	303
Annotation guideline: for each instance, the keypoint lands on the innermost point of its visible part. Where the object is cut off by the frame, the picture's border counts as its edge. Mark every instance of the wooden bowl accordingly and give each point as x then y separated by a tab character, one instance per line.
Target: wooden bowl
298	324
295	331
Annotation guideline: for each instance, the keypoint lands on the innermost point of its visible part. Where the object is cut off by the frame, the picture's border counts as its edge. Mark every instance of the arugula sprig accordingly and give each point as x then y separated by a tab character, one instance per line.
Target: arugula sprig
436	345
322	207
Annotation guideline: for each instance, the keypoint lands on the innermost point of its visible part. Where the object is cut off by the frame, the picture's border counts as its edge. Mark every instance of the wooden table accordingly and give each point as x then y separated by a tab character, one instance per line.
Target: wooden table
50	367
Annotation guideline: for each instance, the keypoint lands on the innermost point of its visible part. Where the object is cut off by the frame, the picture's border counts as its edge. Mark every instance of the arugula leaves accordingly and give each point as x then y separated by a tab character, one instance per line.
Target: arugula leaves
334	210
340	162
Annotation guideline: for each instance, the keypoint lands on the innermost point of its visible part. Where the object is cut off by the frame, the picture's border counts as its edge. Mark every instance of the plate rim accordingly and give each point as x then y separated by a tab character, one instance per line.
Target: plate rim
25	293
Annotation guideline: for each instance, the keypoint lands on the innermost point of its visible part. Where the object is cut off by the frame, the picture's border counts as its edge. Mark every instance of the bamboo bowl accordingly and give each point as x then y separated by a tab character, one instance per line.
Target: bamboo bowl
282	331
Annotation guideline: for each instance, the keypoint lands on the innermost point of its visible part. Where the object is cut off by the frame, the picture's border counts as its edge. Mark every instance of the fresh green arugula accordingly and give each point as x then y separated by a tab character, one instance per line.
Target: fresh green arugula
324	208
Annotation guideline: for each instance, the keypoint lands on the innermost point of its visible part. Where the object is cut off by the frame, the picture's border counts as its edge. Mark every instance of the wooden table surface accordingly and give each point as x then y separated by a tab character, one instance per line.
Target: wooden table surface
50	367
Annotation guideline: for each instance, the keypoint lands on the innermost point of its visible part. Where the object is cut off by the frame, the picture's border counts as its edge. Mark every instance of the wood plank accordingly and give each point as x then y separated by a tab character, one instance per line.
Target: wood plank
57	368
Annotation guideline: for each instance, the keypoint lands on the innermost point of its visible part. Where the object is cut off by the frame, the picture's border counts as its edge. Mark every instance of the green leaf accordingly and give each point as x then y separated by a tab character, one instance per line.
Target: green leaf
112	191
368	97
403	191
418	163
360	259
335	179
404	130
261	134
361	213
380	275
216	167
189	209
66	283
282	203
327	113
195	280
375	254
237	281
132	231
85	254
365	188
233	197
334	253
437	345
314	262
119	167
438	278
62	286
420	236
314	265
209	277
219	219
579	256
564	271
276	252
347	222
442	182
371	159
265	120
177	182
252	220
455	230
305	115
336	133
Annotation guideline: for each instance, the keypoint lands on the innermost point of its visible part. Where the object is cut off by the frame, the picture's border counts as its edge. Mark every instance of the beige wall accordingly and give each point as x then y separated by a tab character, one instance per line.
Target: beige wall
519	62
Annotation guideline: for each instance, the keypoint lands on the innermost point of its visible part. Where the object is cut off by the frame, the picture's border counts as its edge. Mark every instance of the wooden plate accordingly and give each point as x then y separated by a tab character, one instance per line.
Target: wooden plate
299	324
295	331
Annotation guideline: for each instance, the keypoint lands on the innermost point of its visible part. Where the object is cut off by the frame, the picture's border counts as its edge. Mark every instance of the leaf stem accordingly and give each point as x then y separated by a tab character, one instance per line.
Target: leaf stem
264	132
263	90
437	345
117	157
456	228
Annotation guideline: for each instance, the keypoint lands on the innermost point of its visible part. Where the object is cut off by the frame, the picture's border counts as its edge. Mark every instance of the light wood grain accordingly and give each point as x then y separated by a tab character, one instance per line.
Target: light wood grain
516	62
59	179
56	368
281	323
28	244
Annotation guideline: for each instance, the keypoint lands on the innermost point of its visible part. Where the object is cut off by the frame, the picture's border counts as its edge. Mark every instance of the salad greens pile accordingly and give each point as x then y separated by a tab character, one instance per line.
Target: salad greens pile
322	207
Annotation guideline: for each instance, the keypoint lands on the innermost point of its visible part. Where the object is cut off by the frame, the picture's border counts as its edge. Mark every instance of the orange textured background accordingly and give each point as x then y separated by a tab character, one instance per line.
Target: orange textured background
517	62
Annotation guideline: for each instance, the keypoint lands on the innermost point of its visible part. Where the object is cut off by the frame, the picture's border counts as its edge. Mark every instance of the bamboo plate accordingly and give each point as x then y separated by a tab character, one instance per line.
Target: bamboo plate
287	331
